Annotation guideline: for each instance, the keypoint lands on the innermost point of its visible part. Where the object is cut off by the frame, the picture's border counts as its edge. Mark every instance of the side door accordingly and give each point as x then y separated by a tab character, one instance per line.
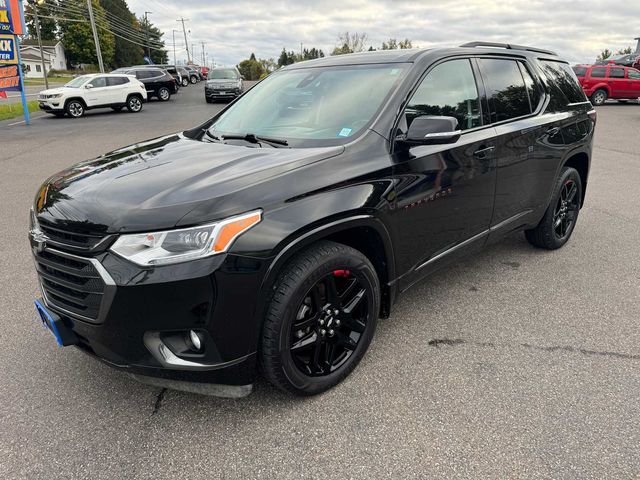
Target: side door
118	88
617	82
444	193
634	82
97	92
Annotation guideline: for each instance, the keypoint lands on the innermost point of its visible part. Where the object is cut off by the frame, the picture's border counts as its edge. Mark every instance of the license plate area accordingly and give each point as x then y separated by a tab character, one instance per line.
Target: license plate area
54	323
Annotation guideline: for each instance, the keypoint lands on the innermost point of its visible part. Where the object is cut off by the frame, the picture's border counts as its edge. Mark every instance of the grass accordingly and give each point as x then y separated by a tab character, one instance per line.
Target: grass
13	110
39	82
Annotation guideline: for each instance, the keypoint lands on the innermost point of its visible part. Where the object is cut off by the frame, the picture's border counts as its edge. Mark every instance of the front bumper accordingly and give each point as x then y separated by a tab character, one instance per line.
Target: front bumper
54	105
147	309
222	93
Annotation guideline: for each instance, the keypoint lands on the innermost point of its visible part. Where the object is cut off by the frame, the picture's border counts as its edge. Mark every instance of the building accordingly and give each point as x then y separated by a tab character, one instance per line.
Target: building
54	57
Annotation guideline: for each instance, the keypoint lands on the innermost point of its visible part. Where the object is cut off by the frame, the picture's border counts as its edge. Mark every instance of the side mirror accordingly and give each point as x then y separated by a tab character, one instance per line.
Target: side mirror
242	77
433	130
88	86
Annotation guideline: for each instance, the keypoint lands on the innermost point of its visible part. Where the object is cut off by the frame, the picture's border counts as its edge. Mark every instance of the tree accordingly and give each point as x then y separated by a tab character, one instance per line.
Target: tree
126	24
393	44
625	51
158	52
77	37
350	43
251	69
252	57
606	53
286	58
48	26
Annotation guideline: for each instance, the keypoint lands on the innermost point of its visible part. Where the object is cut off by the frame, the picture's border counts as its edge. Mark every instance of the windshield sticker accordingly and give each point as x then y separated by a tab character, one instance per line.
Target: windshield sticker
345	132
394	71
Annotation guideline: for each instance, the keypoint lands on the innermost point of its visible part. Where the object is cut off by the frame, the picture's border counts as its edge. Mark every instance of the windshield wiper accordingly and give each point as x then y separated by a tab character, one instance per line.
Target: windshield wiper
252	138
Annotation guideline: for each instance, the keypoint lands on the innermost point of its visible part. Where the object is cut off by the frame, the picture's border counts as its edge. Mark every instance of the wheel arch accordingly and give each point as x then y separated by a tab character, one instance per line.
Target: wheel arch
364	233
80	99
580	161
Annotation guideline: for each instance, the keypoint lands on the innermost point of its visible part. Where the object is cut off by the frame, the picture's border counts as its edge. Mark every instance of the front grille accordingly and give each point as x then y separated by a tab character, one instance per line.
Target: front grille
71	283
74	240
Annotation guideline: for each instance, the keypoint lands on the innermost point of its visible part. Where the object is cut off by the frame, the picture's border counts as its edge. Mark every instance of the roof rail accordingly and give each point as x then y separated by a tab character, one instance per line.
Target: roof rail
509	46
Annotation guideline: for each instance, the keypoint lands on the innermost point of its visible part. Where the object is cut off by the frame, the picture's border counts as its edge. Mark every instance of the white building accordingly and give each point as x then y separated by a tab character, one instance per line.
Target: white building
54	57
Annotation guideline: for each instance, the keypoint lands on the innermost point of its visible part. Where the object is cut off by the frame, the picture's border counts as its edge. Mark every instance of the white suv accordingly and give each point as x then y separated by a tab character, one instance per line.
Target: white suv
94	91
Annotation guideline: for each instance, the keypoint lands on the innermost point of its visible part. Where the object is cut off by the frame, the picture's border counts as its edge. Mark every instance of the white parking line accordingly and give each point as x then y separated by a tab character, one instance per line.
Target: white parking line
22	121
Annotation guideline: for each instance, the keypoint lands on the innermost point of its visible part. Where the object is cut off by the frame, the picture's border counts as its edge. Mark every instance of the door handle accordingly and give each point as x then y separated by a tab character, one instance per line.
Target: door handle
553	131
483	152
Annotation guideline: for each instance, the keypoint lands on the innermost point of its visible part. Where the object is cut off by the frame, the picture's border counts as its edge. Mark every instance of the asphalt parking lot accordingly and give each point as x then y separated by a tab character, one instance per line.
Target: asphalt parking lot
516	363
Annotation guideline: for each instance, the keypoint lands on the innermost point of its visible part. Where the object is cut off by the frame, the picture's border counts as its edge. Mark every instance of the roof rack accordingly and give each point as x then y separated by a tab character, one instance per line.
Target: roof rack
509	46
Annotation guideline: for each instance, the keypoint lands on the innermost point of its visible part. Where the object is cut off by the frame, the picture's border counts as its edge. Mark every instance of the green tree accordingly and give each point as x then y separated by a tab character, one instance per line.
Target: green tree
286	58
77	37
251	69
158	52
48	26
604	54
393	44
126	24
625	51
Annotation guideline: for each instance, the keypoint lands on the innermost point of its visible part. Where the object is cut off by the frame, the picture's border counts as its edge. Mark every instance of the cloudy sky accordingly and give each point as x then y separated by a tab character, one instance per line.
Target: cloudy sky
232	29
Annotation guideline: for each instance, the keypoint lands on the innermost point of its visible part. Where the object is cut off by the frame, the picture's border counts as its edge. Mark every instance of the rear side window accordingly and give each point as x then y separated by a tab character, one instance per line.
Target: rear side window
634	74
114	81
580	71
533	88
563	85
598	72
616	72
506	89
448	90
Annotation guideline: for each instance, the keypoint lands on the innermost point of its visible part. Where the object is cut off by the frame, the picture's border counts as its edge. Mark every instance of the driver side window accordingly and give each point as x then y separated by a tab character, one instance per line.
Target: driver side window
98	82
447	90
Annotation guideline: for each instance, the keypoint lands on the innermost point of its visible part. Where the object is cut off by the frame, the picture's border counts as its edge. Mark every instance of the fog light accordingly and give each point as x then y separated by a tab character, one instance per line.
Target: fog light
196	341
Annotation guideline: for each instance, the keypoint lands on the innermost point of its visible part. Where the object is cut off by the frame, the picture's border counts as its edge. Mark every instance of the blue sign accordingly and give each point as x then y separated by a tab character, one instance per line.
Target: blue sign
146	59
8	49
6	25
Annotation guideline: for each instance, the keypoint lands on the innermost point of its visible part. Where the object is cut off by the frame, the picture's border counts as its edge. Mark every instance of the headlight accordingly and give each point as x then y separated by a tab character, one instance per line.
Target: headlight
173	246
57	95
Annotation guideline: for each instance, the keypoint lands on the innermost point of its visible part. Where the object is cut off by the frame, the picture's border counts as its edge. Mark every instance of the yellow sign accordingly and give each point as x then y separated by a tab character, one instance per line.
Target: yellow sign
8	53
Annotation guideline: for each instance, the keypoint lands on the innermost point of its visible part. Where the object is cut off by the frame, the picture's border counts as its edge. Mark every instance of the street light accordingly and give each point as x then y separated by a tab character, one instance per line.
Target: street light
35	4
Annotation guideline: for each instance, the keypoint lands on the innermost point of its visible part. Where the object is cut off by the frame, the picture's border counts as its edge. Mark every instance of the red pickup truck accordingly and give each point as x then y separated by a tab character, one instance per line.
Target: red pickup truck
600	82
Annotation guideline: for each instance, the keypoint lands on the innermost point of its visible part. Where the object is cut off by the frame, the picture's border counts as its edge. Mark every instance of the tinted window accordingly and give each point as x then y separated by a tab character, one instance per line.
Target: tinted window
448	90
148	73
616	72
598	72
506	89
113	81
98	82
580	71
533	88
563	85
634	74
222	74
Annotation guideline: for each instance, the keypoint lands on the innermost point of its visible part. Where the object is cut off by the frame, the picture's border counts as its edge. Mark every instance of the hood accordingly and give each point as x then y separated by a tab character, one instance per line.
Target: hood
55	91
152	185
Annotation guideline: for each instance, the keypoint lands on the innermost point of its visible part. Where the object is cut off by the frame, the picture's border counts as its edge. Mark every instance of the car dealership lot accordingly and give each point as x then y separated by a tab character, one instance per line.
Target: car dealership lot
514	363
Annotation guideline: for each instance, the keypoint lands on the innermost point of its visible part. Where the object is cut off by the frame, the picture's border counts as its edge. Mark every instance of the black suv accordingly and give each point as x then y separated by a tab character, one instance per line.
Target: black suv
158	82
279	231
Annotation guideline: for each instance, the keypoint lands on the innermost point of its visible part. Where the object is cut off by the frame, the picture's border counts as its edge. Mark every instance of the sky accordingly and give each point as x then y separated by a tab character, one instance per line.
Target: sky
233	29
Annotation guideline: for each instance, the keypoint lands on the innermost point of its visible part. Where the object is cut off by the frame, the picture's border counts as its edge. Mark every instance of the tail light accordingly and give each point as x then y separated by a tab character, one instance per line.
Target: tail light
593	115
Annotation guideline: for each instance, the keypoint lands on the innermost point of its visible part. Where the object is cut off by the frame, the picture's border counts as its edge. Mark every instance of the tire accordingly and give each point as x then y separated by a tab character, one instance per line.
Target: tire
193	79
209	100
599	97
134	103
116	109
296	326
57	114
74	108
163	94
185	81
561	216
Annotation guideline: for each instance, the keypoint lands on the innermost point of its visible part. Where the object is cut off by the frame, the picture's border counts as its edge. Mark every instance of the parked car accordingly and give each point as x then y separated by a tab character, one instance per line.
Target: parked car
625	60
204	71
194	75
185	75
87	92
173	71
280	230
609	81
158	82
223	83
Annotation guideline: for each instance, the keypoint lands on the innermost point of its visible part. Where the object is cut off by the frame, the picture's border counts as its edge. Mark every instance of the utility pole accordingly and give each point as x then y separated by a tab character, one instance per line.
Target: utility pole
146	22
174	45
186	43
204	61
37	22
95	36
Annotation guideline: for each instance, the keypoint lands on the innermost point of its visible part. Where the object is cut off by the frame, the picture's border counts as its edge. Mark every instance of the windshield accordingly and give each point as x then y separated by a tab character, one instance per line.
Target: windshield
77	82
223	74
311	106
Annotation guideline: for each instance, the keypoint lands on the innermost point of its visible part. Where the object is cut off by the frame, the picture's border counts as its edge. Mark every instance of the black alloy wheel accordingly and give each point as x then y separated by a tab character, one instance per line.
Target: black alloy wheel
559	220
320	319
